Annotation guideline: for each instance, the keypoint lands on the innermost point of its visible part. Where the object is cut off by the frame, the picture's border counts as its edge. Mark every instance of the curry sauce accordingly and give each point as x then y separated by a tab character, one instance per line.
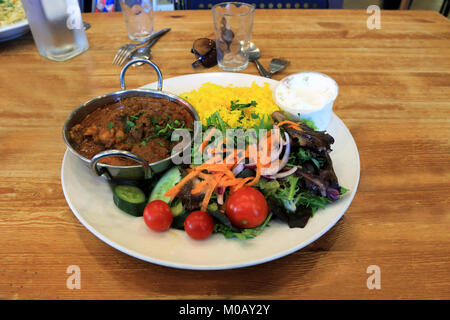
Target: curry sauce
142	125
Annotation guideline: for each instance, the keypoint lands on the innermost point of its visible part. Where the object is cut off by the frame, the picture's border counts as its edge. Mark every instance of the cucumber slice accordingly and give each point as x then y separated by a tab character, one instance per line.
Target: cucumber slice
165	183
177	208
130	199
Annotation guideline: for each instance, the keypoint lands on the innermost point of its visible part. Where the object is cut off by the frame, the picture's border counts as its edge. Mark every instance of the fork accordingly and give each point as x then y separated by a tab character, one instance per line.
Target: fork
126	50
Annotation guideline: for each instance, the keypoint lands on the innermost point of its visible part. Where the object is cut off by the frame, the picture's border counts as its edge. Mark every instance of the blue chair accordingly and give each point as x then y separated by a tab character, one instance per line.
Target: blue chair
266	4
89	5
445	8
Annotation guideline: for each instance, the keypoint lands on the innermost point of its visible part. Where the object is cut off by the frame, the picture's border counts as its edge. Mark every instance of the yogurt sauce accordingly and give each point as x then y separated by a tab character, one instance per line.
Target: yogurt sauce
307	95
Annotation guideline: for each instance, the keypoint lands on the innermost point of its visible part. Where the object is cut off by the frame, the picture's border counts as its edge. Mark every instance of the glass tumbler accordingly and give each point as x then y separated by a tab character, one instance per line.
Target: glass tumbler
57	28
138	16
233	22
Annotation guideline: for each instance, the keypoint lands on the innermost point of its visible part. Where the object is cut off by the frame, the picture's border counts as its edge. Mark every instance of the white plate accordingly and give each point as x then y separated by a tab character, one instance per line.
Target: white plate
13	31
90	199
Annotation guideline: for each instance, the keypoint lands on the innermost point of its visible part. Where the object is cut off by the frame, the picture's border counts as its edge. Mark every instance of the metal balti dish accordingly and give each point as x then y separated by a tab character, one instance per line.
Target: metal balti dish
143	169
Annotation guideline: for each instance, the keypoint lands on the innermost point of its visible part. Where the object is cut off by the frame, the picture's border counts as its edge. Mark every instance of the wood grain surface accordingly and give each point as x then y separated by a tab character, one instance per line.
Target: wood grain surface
394	97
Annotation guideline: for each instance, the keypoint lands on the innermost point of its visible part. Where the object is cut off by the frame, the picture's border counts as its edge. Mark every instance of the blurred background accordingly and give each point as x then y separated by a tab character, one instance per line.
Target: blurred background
441	6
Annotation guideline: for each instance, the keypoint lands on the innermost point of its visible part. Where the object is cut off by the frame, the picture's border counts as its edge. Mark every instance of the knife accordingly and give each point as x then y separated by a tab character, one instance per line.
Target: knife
144	52
155	36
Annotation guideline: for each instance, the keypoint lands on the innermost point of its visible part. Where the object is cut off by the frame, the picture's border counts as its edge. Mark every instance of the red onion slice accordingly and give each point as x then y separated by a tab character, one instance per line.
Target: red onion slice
220	198
271	170
270	177
274	168
281	175
276	146
287	152
220	193
221	190
238	168
286	173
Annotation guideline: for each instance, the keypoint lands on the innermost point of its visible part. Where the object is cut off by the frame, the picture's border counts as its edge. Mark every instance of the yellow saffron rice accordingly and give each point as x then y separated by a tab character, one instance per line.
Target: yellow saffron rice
210	98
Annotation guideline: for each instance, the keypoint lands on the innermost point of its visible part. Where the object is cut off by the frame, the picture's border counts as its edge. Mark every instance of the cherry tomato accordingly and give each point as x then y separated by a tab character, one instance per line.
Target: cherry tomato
246	208
158	216
199	225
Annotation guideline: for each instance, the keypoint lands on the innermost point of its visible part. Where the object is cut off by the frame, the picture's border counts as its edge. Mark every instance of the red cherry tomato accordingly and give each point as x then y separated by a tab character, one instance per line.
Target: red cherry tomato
158	216
199	225
246	208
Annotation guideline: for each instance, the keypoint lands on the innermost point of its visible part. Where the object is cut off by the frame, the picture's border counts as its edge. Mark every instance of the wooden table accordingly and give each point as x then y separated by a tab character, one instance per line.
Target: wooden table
394	97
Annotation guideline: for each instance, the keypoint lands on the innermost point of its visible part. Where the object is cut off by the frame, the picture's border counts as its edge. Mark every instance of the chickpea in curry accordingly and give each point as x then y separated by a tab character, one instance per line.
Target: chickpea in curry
142	125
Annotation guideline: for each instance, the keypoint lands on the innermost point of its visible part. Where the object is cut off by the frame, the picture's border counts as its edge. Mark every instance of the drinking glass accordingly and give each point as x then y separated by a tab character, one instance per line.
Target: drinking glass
138	16
57	28
233	22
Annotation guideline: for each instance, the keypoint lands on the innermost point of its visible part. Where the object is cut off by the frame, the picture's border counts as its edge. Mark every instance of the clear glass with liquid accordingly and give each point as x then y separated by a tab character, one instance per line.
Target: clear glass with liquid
233	22
138	16
57	28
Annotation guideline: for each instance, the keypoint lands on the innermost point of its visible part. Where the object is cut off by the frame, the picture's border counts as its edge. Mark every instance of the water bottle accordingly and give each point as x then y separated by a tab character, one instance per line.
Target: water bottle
57	28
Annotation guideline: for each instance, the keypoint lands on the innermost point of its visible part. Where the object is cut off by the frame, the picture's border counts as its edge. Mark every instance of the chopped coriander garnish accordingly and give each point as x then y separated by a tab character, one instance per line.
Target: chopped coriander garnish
264	123
216	121
241	116
145	141
135	117
239	106
128	126
153	120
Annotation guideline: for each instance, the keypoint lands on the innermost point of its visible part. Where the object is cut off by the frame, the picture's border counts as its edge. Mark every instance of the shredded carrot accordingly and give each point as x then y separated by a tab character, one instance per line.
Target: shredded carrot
230	174
216	150
292	124
204	175
209	191
230	160
216	167
219	147
241	183
214	175
176	189
239	160
227	183
217	159
198	188
206	140
286	122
